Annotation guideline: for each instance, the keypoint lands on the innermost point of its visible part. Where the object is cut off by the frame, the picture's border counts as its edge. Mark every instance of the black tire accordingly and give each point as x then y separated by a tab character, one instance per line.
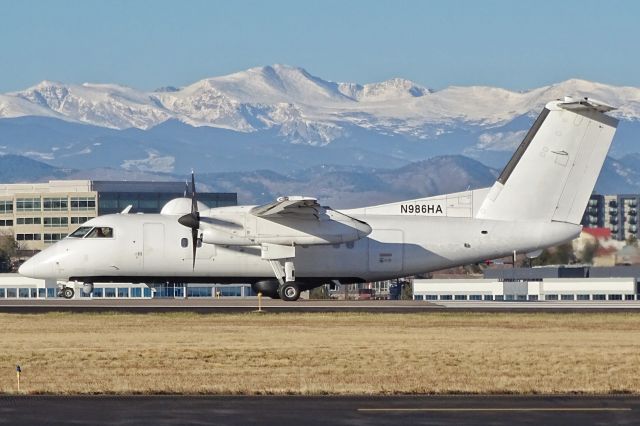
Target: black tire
68	293
289	292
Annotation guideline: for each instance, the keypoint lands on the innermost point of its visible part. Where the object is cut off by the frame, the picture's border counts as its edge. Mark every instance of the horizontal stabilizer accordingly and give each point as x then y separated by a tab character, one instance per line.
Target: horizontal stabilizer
585	105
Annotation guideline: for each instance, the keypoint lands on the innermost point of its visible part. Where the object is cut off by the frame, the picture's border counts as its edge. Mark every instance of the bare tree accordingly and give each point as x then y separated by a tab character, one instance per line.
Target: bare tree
8	249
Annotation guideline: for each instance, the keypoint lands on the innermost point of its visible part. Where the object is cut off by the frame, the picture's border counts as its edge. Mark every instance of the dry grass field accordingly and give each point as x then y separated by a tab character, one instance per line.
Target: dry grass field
321	353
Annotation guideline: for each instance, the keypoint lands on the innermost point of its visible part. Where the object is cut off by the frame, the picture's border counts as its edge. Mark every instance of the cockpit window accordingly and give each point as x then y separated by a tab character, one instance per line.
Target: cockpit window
80	232
100	232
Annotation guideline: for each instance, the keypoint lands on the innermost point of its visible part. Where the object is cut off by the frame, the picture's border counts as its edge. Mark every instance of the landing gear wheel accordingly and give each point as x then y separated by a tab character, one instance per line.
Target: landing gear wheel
68	293
289	291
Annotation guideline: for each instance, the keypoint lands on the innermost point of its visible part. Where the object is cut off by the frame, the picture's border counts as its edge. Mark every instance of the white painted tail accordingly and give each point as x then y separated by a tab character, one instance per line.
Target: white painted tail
552	173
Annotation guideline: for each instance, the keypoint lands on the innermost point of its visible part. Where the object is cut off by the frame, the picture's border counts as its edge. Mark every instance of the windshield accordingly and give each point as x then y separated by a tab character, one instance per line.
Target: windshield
100	232
91	232
80	232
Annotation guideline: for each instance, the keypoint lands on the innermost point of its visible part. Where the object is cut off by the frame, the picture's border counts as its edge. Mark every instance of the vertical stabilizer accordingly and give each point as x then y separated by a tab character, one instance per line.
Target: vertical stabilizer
554	170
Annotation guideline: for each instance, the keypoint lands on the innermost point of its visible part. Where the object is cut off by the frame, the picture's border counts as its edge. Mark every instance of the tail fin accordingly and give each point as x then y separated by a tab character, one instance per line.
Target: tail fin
552	173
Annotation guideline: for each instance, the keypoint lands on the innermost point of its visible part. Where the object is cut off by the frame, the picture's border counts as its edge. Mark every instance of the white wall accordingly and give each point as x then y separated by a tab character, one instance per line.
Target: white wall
622	286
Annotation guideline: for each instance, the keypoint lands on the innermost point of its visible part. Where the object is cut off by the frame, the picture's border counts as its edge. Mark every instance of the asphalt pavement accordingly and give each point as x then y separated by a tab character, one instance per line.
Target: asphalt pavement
209	305
327	410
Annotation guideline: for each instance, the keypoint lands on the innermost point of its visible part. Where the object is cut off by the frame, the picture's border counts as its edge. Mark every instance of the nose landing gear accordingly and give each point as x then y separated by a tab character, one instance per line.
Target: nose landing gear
66	292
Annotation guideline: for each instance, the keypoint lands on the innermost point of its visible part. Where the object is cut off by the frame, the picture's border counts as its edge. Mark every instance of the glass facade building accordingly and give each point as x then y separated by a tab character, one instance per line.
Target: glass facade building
150	197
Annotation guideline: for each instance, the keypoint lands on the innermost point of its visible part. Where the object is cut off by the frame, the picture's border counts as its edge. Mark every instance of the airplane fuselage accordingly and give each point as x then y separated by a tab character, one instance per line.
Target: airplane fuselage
153	247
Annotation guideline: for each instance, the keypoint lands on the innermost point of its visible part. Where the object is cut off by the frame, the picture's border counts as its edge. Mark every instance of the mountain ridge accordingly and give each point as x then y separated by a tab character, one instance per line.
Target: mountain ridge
336	186
263	97
285	119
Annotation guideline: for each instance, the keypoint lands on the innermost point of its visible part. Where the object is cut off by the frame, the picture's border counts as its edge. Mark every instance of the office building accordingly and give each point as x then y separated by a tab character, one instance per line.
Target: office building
619	213
39	214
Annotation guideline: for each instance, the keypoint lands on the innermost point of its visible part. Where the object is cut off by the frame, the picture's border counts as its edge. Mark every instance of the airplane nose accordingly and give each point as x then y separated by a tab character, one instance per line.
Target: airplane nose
36	267
28	268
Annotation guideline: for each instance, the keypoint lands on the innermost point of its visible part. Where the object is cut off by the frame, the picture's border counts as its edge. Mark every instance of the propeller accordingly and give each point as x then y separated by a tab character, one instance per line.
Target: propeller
192	220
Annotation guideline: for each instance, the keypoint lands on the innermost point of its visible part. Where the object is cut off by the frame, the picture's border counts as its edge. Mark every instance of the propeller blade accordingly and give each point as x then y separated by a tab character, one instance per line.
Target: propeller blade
194	201
194	240
192	220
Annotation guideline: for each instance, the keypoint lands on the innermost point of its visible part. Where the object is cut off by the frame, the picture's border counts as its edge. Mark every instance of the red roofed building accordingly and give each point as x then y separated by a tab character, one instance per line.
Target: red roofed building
602	240
598	233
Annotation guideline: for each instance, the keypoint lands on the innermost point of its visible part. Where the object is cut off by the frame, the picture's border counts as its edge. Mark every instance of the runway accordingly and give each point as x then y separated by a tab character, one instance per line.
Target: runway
270	305
328	410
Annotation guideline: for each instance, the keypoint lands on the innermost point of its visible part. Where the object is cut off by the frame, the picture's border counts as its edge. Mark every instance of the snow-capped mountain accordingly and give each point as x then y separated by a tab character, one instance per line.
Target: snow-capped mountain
283	118
104	105
304	107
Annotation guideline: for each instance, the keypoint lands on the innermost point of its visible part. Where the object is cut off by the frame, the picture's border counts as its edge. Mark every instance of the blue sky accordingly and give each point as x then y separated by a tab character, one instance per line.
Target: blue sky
148	44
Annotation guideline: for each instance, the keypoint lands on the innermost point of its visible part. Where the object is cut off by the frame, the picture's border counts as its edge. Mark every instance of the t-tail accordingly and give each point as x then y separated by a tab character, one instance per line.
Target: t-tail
554	170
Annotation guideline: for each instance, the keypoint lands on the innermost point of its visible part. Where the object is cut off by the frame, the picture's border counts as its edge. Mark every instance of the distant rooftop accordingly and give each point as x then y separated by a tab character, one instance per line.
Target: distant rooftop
61	186
539	273
604	233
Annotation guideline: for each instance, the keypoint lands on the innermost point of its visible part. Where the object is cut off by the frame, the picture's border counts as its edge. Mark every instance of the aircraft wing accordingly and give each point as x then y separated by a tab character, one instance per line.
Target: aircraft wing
301	207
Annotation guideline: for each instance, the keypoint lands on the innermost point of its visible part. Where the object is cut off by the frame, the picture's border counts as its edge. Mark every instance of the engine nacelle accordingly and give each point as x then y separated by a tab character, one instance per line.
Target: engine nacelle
332	228
222	238
307	239
244	229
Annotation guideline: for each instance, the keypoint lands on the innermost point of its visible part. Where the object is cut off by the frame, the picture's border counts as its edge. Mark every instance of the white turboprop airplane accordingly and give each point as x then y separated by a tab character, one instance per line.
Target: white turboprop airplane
295	244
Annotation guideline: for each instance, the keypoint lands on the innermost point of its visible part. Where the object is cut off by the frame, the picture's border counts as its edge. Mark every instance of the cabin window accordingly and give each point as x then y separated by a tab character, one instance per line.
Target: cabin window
100	232
184	242
80	232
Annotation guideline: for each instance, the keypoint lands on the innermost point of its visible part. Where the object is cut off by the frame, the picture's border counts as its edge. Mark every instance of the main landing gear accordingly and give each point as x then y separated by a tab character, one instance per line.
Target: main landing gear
289	291
281	259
